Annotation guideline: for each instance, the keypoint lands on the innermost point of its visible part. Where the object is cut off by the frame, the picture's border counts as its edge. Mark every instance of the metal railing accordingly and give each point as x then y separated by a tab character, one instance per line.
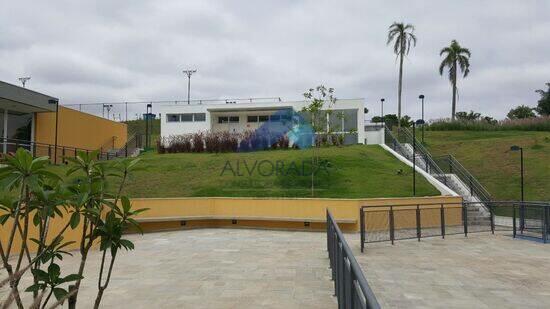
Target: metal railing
57	154
423	158
350	286
380	223
450	164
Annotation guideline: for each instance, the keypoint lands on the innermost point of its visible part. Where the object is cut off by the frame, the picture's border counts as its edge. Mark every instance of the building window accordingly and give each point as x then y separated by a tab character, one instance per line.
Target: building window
223	119
233	119
186	117
263	118
172	117
252	119
199	117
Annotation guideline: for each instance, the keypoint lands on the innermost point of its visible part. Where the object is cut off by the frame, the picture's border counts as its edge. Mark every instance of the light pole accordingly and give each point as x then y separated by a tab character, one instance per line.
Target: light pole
421	97
418	122
56	102
147	121
189	73
522	207
382	109
24	80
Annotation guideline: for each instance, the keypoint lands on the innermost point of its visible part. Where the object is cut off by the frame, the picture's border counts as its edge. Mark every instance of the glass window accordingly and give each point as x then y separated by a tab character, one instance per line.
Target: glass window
172	117
223	119
234	119
186	117
252	119
275	117
263	118
199	117
19	126
350	120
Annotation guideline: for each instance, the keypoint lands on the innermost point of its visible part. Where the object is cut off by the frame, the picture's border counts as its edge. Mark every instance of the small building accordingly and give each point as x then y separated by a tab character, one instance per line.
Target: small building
347	117
37	122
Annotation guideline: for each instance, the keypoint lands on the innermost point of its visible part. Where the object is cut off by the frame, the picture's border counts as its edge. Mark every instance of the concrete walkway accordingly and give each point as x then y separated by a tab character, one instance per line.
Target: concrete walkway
214	268
481	271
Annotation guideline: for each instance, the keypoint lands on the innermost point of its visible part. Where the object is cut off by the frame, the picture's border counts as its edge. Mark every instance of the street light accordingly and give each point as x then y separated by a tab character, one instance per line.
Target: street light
522	207
418	122
382	109
147	125
421	97
189	73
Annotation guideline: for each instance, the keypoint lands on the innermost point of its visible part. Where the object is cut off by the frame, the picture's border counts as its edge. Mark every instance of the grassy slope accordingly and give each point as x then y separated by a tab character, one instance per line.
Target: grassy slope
355	172
486	155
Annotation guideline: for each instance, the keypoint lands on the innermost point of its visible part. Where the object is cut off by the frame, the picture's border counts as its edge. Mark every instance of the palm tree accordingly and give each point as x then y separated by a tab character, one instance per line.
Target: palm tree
456	57
402	36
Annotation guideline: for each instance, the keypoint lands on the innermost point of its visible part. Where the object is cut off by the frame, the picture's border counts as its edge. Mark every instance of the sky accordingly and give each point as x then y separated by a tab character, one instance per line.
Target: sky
116	51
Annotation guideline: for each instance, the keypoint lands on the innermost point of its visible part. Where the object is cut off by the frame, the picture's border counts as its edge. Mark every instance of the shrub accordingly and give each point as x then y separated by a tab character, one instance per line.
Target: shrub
528	124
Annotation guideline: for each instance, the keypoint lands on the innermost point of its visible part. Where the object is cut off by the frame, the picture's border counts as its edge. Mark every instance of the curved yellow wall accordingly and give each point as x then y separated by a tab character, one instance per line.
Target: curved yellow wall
78	129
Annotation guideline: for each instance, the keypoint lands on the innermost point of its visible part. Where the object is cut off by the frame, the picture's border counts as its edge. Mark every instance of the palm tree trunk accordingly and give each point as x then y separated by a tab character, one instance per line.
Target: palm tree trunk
400	86
454	94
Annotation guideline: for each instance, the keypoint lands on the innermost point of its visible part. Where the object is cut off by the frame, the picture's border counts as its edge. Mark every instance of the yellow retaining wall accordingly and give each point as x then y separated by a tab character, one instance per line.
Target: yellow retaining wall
78	129
177	213
56	226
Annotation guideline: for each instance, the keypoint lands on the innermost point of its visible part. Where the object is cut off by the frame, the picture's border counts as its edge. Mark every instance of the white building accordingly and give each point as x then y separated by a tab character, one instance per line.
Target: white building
238	117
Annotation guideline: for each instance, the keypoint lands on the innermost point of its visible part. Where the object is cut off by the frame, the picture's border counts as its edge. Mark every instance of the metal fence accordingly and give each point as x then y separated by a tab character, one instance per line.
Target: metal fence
350	286
415	221
449	164
57	154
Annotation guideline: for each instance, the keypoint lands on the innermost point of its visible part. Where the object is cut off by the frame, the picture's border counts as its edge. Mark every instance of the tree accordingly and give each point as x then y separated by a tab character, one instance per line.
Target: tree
455	57
521	112
464	116
543	107
402	37
320	101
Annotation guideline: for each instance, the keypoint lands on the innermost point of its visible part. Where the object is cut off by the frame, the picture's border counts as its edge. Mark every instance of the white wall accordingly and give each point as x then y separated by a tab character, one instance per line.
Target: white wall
243	110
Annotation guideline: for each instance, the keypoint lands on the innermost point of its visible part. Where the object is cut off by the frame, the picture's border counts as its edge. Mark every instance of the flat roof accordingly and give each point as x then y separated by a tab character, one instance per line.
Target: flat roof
21	99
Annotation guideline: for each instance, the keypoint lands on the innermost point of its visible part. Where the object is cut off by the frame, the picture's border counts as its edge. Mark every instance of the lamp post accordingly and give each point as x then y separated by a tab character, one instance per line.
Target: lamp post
147	124
522	207
382	109
56	102
189	73
418	122
421	97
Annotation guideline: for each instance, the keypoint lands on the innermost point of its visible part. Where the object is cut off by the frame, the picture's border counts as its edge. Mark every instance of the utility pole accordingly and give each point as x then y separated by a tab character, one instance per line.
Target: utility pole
24	80
189	73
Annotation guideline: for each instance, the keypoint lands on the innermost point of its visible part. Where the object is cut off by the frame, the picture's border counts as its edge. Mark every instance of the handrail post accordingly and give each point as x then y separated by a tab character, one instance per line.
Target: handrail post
544	224
362	228
492	214
418	224
465	218
392	235
514	220
442	212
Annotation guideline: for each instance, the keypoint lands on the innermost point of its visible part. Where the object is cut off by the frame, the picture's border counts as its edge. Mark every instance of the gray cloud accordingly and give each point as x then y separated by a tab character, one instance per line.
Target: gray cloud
98	51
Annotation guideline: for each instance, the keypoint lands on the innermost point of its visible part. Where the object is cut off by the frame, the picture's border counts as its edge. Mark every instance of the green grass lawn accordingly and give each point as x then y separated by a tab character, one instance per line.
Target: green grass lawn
486	155
351	172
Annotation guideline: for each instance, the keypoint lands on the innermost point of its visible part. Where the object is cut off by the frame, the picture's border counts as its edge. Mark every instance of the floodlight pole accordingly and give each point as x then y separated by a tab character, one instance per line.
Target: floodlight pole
24	80
189	73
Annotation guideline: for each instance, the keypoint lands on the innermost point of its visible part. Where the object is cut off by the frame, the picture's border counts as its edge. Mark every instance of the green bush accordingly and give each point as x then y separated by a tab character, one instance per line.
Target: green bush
529	124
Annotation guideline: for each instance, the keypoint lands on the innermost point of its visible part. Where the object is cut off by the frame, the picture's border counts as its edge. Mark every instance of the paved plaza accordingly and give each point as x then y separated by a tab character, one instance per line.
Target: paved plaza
246	268
214	268
481	271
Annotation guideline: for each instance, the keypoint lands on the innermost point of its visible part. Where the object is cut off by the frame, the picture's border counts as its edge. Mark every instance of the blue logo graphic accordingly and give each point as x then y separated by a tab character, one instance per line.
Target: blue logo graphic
285	127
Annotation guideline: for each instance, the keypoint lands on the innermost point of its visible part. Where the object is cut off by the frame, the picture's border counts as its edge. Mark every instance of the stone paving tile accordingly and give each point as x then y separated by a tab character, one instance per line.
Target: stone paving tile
215	268
481	271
